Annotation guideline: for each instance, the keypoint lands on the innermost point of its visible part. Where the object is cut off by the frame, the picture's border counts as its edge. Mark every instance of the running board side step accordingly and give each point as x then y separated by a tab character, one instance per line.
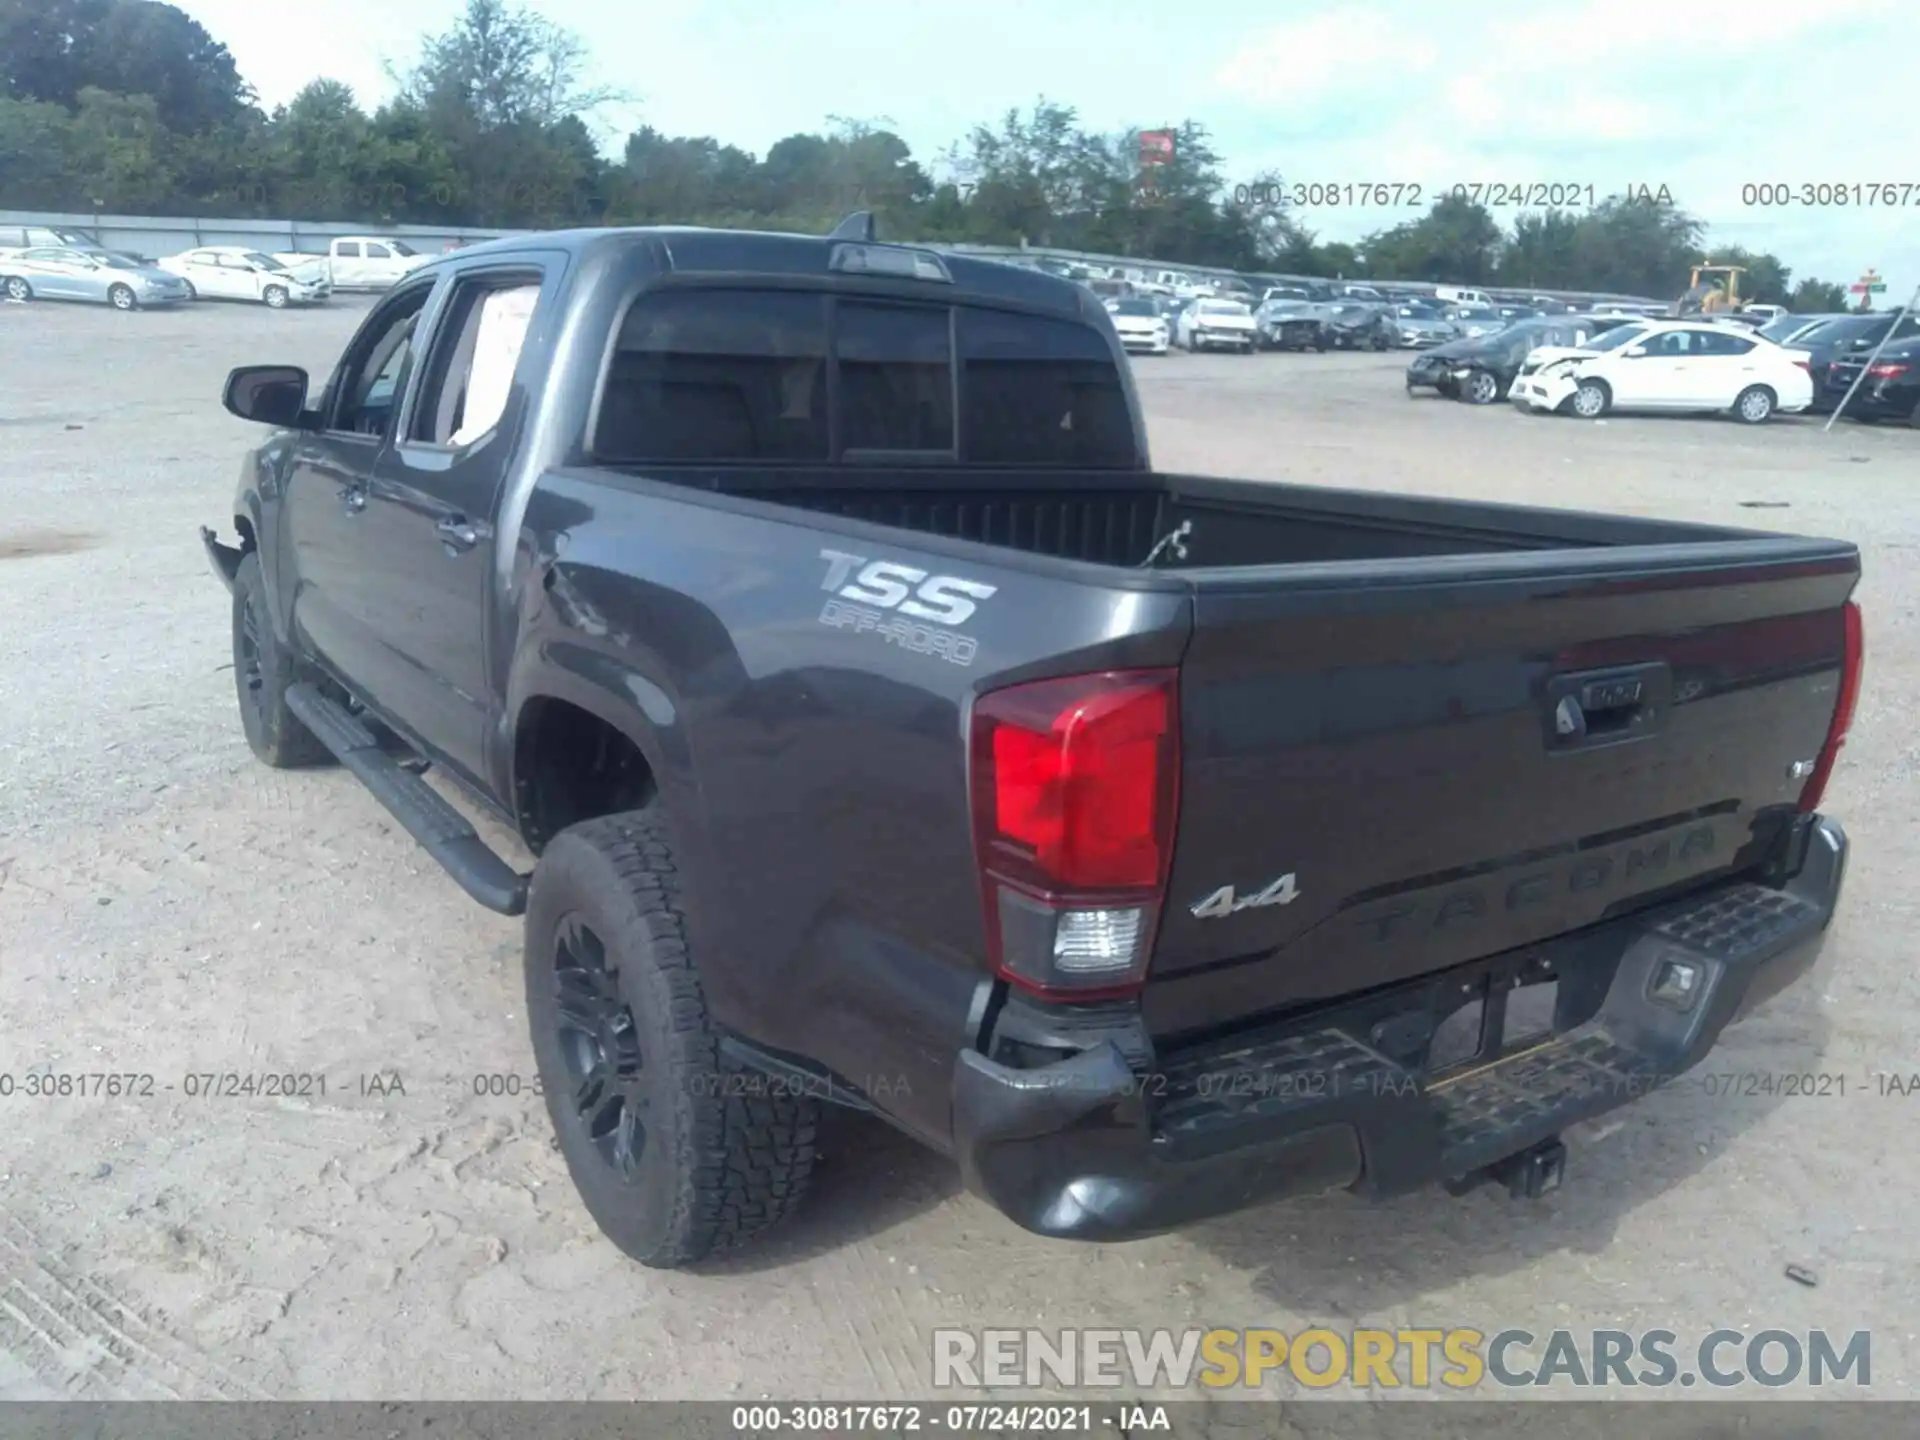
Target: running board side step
443	832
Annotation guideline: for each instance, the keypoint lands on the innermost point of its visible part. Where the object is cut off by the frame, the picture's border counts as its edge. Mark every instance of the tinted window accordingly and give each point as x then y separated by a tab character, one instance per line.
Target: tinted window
1724	344
378	252
1040	391
368	385
349	249
718	375
896	377
741	375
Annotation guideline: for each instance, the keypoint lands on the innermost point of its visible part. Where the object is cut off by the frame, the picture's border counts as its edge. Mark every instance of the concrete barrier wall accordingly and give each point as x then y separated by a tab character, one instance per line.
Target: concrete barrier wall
168	235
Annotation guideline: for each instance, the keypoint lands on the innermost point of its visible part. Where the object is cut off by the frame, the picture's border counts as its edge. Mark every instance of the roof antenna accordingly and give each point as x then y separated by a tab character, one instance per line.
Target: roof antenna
857	226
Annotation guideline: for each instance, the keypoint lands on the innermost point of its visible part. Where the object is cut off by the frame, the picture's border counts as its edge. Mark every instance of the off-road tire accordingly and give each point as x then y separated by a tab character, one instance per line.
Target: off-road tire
262	671
723	1153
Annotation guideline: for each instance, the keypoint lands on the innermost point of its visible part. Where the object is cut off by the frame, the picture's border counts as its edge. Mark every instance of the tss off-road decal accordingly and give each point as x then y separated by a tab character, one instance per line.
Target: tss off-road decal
902	604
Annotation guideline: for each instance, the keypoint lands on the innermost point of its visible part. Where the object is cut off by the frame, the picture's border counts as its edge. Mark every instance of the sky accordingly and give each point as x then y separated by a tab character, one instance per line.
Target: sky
1707	98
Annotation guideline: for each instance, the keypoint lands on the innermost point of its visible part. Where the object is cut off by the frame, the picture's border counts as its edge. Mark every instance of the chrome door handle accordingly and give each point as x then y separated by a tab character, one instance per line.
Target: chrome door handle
354	499
457	533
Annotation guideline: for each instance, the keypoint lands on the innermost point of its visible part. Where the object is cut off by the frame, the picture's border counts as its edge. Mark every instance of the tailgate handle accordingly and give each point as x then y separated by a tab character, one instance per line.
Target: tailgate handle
1600	707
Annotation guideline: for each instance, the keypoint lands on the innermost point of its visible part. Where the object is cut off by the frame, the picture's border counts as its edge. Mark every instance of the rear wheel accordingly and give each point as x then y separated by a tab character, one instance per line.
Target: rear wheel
675	1154
1591	400
1754	405
121	297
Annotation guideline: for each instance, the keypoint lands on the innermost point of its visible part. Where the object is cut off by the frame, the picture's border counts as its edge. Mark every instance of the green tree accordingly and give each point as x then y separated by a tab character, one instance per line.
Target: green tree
1456	240
1817	297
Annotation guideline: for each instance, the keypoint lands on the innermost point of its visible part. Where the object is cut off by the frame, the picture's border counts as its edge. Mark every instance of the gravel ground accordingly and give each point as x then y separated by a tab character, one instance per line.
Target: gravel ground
168	906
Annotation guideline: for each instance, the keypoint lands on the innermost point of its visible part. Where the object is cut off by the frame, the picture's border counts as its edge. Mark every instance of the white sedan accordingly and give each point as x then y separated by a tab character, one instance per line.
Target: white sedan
233	272
1666	366
1216	324
1140	324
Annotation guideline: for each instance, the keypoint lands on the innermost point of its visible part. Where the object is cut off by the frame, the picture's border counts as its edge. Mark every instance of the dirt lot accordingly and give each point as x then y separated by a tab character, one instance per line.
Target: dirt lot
167	906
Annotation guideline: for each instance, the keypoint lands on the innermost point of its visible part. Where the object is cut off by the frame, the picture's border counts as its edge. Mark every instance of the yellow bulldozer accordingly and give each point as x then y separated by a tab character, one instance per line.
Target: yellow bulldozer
1712	290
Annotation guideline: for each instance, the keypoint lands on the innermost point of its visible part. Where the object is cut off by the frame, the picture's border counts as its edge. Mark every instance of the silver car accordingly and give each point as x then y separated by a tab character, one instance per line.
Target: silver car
1421	326
71	272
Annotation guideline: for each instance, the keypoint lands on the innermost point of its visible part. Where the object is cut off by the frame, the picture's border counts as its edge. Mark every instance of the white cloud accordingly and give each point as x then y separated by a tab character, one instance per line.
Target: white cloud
1311	59
1702	99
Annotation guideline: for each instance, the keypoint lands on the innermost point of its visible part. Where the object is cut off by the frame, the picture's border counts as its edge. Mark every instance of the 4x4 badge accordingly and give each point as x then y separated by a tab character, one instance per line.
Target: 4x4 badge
1223	902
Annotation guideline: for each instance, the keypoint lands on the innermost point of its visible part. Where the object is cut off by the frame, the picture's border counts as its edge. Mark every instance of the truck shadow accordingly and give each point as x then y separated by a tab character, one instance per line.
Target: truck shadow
1339	1255
868	1178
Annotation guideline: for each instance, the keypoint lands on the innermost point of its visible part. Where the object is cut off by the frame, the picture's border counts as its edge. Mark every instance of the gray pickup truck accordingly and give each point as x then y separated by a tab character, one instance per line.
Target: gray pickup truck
888	733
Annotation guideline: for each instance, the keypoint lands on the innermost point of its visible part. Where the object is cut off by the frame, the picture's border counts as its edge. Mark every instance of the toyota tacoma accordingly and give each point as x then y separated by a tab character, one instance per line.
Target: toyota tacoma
884	731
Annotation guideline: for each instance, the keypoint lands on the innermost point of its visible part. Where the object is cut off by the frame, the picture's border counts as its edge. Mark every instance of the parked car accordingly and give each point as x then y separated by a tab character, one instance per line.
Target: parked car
1511	311
1288	325
1368	293
1786	329
856	783
1677	366
70	272
1481	369
1140	325
364	262
1846	338
43	237
1421	324
1359	325
1891	389
1764	314
1216	325
234	272
1460	295
1473	321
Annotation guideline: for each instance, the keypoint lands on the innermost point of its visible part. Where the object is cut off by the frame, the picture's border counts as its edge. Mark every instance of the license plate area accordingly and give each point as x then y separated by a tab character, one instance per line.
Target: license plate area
1483	1015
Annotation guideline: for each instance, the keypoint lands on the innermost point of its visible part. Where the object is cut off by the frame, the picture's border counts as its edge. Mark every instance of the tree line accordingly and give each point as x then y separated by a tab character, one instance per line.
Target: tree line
131	107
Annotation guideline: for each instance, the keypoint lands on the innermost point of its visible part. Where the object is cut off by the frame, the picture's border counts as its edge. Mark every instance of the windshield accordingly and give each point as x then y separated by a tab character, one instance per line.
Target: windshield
112	259
1222	307
1475	312
265	262
1615	338
1137	307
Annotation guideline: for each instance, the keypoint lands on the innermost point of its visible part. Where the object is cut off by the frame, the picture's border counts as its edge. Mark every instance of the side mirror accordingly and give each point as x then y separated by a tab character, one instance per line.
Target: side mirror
1634	352
268	394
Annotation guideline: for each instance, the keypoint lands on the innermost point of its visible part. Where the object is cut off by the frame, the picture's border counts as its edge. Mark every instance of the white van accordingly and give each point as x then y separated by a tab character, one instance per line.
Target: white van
1460	296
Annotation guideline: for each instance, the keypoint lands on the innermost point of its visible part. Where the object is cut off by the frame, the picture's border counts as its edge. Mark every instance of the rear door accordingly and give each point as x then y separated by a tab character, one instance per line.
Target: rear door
349	268
1379	771
428	534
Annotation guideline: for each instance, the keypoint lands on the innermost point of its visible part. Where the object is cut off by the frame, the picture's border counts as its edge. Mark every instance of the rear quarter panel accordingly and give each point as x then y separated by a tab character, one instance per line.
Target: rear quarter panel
813	762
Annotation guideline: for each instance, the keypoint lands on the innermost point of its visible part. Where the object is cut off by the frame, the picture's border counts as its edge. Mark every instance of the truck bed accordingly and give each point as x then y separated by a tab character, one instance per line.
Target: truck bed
1117	517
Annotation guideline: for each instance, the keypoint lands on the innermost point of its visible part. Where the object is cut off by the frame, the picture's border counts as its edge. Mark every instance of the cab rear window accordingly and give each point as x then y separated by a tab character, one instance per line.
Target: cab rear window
784	376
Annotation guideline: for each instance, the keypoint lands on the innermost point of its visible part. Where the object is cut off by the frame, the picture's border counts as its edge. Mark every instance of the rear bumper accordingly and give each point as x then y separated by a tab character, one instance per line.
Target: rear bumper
1086	1148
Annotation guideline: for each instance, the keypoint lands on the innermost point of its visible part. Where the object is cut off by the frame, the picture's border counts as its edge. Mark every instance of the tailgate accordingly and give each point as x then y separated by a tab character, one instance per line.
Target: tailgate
1414	764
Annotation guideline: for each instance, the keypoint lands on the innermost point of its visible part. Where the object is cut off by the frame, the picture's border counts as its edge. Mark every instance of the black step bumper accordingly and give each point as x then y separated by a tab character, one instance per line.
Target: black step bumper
1087	1148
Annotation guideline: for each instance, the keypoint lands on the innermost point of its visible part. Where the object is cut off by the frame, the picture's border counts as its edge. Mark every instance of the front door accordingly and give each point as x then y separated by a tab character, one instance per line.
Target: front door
331	589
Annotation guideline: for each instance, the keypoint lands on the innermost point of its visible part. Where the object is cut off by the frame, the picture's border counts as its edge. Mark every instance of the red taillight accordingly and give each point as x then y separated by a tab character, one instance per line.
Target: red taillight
1075	783
1843	707
1886	370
